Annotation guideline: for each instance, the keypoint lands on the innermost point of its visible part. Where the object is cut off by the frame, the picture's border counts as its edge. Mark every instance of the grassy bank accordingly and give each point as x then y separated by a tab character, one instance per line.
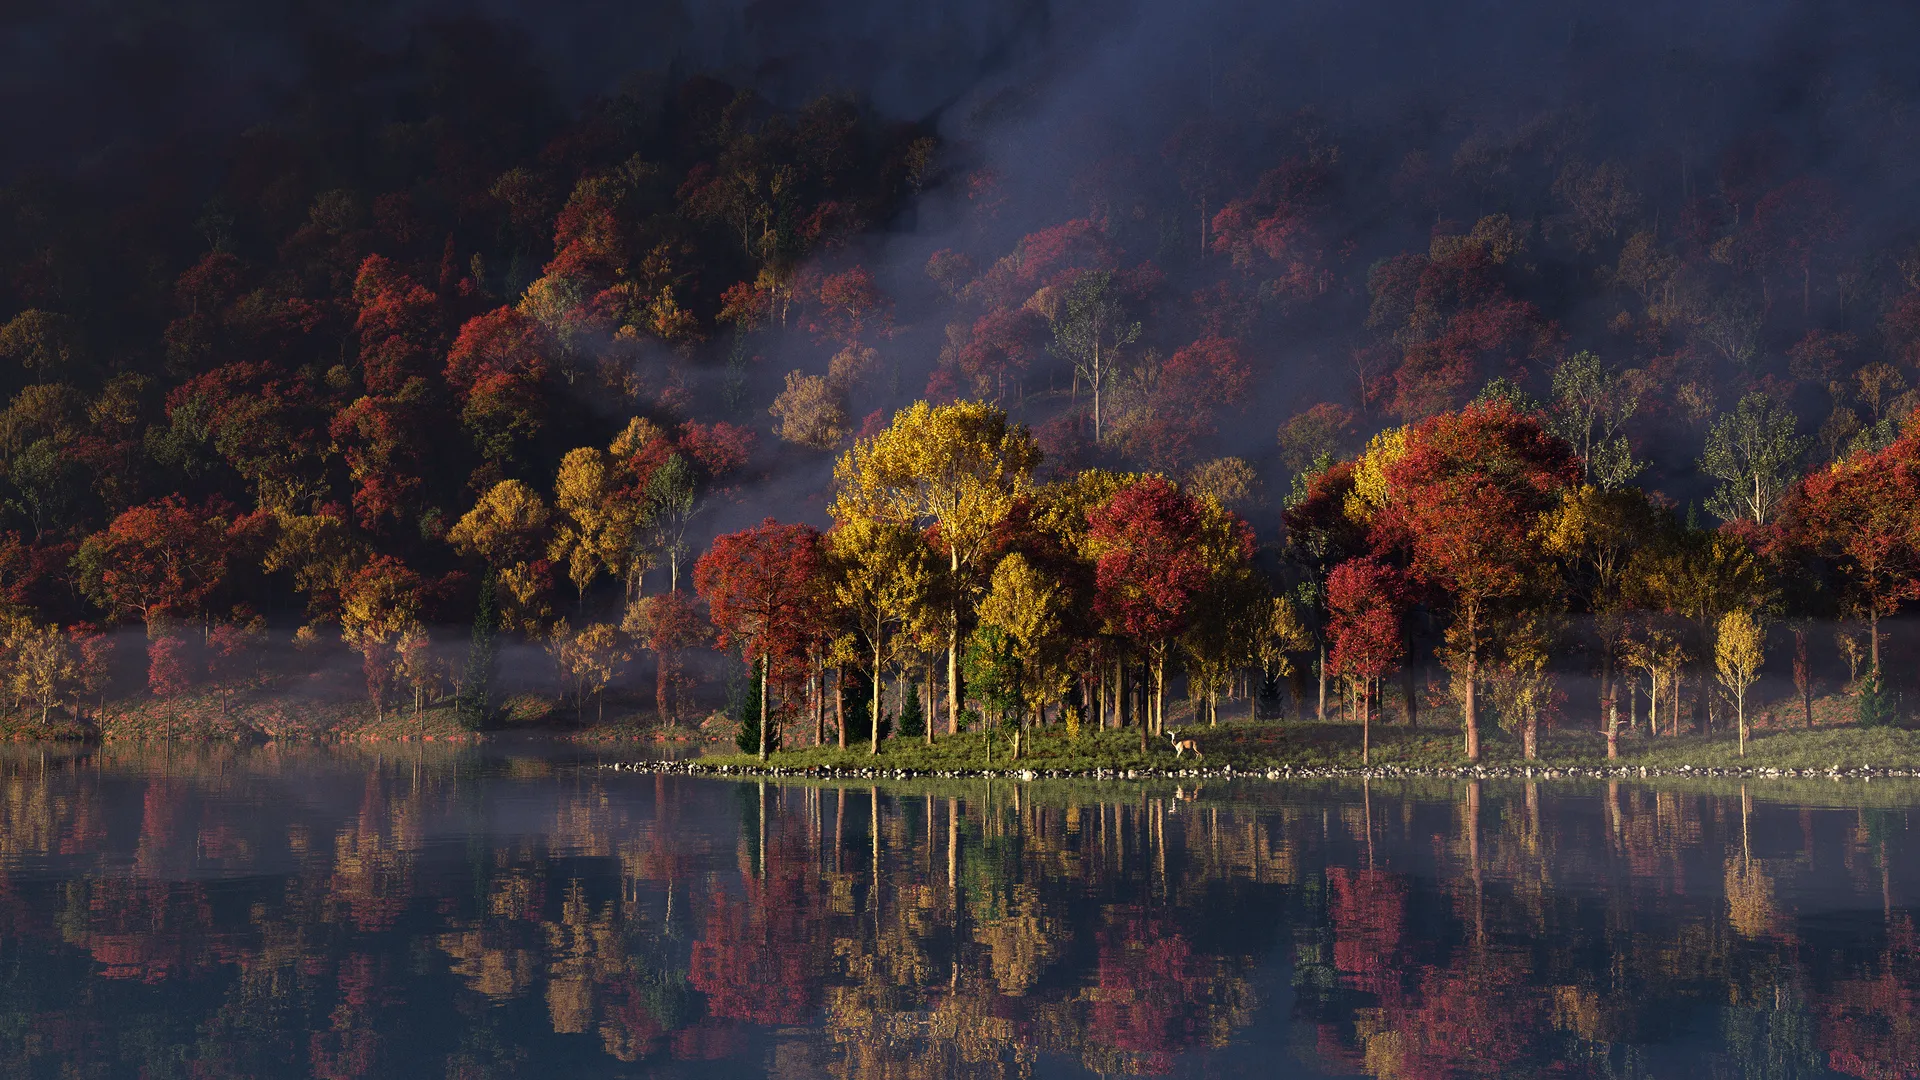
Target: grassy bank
1310	745
309	710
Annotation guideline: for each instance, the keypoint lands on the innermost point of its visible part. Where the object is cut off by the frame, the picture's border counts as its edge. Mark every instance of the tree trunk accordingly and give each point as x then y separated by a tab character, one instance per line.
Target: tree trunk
1366	728
873	715
1740	707
927	724
1613	729
1469	716
840	705
1143	722
1873	635
1096	380
953	655
1321	715
763	708
1803	673
1160	694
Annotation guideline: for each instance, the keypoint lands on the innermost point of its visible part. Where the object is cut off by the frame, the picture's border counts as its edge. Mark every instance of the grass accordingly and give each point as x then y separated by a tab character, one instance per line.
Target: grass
1315	745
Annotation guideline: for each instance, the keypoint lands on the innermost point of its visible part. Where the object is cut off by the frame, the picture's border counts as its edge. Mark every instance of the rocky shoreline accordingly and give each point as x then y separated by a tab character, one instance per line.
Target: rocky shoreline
1287	772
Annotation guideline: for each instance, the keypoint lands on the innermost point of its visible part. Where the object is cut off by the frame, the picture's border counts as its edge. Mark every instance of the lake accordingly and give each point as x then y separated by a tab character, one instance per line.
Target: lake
504	911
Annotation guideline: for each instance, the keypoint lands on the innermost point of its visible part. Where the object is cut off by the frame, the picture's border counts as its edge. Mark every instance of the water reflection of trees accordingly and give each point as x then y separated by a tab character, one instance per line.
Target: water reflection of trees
210	916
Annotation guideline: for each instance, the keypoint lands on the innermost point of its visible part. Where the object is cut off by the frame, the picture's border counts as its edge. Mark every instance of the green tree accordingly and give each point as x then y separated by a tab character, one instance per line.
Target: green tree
1752	451
1591	403
474	703
1089	330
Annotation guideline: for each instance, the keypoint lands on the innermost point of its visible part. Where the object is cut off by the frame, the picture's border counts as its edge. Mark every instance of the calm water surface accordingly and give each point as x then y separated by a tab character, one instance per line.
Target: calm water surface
497	913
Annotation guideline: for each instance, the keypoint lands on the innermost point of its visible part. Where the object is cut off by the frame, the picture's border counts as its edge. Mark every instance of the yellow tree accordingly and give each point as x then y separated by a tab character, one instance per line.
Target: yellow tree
1594	533
1281	634
507	528
958	469
1699	576
419	669
1026	605
1738	652
1522	684
589	659
43	665
319	552
1223	637
1660	654
587	537
380	607
881	574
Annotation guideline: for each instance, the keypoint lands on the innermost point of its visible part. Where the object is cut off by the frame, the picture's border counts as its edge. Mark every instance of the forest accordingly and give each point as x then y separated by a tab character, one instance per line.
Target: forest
1566	407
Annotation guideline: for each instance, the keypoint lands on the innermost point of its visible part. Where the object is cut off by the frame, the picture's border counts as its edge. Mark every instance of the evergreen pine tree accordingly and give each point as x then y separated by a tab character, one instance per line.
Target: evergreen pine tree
474	705
747	713
913	718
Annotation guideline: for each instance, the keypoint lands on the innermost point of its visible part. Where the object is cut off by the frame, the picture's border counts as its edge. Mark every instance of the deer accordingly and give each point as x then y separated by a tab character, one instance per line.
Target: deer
1183	743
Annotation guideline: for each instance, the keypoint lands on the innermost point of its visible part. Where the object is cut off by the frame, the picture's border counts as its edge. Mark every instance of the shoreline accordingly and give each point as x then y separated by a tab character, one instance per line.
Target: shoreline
1536	773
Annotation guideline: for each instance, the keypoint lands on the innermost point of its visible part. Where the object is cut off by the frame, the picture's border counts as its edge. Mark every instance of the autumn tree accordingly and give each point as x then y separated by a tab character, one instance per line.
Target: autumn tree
812	412
380	607
1465	500
1321	534
1365	597
508	529
1862	515
1025	605
1157	551
41	661
1738	654
1699	576
954	469
760	585
161	560
593	528
880	573
233	647
666	624
1593	533
169	667
589	659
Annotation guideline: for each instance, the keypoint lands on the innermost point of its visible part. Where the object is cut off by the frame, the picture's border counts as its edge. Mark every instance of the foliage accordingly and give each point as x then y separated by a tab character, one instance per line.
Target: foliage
1752	451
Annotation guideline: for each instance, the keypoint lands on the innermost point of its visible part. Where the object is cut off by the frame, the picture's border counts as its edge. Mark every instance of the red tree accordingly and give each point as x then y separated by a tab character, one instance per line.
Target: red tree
163	559
1364	600
668	625
1862	515
396	323
169	670
759	585
1155	563
1463	500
